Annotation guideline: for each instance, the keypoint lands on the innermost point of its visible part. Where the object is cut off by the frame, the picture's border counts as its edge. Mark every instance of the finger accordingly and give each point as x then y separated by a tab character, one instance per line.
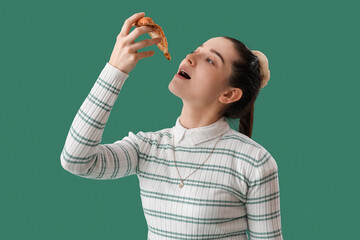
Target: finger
138	31
128	22
141	55
144	43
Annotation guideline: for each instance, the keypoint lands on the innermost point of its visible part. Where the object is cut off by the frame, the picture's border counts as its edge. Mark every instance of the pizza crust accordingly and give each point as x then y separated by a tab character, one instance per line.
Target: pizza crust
158	32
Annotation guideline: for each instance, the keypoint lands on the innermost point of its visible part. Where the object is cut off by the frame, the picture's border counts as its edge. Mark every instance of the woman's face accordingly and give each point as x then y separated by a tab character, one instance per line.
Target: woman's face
209	68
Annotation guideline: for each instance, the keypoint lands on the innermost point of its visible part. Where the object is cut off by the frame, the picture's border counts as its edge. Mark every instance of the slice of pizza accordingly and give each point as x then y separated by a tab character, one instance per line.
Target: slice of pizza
158	32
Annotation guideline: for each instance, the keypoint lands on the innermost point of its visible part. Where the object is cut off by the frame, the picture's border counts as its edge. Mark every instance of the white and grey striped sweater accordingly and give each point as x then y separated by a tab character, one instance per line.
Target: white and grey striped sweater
234	195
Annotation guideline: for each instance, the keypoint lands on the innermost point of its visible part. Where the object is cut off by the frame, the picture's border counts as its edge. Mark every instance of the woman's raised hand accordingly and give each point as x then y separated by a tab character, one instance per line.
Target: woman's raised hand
124	55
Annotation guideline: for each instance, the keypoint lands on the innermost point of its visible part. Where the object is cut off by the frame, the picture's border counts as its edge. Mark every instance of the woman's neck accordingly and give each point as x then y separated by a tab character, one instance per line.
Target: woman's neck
197	117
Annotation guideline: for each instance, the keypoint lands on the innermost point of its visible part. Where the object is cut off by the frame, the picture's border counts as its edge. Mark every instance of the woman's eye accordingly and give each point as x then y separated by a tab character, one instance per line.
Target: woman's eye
207	59
210	60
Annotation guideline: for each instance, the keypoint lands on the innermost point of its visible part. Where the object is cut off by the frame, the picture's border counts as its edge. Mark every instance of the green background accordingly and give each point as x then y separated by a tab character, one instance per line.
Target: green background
307	116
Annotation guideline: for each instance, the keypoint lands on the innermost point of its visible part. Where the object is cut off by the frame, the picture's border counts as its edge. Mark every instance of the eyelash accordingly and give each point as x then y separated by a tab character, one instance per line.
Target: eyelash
206	58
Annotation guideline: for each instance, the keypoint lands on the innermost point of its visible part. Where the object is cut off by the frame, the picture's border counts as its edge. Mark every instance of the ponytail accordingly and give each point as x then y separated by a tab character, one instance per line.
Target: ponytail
250	73
246	122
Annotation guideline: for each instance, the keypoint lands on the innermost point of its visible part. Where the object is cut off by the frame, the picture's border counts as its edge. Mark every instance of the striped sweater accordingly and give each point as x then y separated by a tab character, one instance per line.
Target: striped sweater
234	195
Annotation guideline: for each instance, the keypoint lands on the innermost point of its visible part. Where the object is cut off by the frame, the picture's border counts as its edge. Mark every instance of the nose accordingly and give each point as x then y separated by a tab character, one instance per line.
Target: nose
191	59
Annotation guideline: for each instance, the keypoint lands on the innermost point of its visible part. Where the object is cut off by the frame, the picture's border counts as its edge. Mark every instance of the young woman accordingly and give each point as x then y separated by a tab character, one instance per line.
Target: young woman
199	179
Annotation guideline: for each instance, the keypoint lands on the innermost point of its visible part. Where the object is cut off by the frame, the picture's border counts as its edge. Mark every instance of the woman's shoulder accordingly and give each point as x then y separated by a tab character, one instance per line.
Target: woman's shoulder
253	149
153	136
246	143
242	139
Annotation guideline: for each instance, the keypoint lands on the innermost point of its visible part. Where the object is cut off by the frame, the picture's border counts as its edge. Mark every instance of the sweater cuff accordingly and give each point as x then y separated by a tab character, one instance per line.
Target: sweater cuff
112	74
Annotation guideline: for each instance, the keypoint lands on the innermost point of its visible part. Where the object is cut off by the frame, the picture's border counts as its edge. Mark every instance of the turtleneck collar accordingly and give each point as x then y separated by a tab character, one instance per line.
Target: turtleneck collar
199	135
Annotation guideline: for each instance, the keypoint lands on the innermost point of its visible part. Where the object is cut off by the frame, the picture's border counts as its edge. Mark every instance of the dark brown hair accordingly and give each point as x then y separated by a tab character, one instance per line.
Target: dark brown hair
246	76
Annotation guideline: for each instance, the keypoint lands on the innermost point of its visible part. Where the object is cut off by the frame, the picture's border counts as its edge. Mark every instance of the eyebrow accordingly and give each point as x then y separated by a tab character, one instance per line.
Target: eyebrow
217	53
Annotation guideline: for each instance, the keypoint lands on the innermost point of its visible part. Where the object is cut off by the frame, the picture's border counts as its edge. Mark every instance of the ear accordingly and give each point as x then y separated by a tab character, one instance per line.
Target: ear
231	95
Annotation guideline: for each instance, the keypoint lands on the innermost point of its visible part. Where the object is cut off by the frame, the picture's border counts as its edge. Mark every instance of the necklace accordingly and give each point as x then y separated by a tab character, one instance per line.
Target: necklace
181	184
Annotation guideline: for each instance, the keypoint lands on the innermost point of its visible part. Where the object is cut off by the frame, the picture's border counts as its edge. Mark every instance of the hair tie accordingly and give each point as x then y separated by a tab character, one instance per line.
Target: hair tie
264	67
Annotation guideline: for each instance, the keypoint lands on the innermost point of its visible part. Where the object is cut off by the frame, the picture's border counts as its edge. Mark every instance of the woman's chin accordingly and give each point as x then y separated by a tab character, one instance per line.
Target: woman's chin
175	88
172	88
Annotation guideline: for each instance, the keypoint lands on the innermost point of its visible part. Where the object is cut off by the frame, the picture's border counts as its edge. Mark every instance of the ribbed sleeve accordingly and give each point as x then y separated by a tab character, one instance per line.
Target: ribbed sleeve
82	154
263	199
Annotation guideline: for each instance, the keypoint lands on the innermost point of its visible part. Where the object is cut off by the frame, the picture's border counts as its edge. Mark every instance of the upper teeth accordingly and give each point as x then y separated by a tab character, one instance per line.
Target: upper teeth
182	70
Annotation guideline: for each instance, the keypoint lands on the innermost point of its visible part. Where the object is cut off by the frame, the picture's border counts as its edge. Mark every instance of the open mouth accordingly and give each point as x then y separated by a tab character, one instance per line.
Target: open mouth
184	74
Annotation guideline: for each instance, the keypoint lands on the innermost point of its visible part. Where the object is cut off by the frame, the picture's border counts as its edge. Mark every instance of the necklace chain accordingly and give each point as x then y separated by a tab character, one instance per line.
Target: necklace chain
181	184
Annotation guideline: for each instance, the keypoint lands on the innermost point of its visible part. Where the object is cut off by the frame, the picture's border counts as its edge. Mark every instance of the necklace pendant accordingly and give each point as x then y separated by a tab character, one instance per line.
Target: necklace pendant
181	185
